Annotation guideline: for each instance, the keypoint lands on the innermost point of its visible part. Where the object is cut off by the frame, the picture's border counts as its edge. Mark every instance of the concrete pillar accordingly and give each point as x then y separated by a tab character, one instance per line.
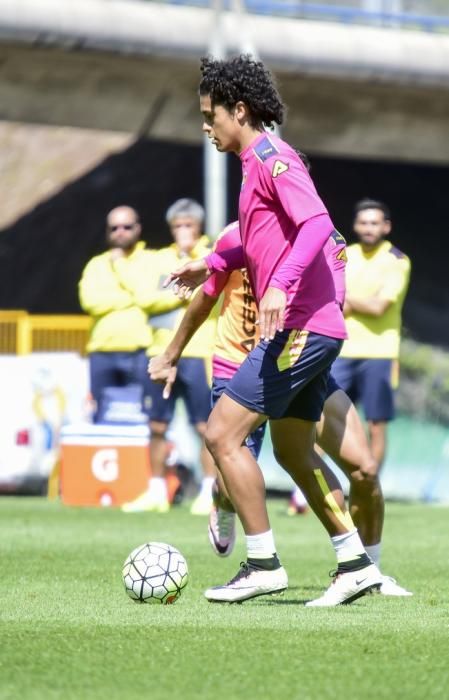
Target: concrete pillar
215	165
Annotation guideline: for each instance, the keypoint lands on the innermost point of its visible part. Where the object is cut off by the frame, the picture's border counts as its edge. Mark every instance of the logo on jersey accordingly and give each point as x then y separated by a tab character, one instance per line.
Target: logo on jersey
244	178
337	237
265	149
278	168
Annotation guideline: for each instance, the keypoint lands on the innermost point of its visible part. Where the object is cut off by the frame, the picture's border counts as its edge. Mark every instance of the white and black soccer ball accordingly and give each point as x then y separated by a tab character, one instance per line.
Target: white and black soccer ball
155	573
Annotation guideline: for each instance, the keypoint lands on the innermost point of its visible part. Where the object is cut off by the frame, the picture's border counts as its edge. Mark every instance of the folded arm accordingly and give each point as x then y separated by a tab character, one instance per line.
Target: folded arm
100	294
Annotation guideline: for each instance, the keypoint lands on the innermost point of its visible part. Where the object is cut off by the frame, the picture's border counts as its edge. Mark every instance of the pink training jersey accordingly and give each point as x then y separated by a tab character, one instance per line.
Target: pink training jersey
286	232
237	330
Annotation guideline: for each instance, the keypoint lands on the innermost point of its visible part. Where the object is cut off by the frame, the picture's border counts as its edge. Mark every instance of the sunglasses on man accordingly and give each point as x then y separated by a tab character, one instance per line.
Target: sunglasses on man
116	227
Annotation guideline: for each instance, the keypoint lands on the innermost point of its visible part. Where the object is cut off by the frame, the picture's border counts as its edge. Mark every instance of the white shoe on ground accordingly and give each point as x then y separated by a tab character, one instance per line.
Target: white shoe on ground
345	588
249	583
389	586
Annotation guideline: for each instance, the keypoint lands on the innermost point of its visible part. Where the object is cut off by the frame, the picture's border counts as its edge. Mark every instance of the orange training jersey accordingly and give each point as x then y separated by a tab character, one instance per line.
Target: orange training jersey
237	332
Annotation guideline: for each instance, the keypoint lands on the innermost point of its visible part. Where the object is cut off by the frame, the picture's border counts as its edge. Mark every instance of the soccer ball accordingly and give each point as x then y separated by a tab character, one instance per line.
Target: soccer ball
155	573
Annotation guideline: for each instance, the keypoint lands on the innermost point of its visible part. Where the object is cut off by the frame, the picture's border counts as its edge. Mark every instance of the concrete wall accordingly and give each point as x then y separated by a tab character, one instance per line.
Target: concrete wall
133	67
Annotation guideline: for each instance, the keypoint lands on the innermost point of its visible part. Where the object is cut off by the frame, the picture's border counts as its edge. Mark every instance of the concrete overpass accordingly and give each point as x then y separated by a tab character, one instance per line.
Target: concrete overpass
132	66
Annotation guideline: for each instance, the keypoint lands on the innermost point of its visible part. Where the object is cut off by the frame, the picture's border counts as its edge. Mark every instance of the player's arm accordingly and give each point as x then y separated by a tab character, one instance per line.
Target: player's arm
394	287
291	185
196	314
287	180
371	306
188	277
162	368
311	238
100	294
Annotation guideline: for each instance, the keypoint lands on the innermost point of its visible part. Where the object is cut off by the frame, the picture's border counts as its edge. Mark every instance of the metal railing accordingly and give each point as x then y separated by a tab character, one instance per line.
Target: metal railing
22	333
426	15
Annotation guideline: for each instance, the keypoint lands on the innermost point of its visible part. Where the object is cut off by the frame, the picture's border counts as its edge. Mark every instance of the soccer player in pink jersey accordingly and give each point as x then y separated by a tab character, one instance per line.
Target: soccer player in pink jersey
237	335
340	430
286	232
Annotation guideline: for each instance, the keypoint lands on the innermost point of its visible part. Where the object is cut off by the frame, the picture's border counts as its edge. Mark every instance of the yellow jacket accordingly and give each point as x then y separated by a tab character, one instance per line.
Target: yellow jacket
165	324
120	295
383	272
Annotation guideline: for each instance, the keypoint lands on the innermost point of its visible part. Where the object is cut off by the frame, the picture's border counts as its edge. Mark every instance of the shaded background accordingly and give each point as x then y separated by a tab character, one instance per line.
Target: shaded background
42	254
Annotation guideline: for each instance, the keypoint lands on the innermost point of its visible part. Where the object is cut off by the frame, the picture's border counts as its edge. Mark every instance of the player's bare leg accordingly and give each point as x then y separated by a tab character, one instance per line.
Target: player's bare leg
207	461
203	502
341	434
377	431
293	442
221	495
227	428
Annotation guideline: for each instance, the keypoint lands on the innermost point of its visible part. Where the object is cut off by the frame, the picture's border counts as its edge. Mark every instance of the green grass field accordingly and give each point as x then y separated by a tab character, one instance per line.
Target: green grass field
67	629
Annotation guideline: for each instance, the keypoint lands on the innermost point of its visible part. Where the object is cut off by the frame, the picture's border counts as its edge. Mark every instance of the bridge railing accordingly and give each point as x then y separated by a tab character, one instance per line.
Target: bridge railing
424	15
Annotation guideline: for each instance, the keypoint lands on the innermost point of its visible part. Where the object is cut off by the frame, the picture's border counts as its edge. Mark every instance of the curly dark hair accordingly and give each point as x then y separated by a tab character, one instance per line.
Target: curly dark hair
246	80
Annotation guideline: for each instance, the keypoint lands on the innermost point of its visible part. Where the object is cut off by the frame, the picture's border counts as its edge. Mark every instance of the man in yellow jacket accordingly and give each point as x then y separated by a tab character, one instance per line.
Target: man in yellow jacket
377	279
117	290
185	219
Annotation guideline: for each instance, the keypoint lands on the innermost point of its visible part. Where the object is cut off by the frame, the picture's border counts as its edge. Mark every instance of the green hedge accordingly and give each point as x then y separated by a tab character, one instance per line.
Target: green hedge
424	385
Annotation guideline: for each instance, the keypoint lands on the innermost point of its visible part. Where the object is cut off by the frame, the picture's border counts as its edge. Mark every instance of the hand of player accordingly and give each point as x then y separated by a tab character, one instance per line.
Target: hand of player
272	312
188	277
116	253
162	371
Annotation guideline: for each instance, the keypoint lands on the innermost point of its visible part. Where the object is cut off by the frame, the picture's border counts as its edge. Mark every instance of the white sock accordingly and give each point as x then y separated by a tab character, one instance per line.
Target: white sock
260	546
157	486
348	546
206	486
373	551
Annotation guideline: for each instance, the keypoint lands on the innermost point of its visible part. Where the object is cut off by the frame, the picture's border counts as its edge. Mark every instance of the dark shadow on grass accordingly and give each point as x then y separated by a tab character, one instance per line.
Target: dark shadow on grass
302	601
314	589
283	601
284	598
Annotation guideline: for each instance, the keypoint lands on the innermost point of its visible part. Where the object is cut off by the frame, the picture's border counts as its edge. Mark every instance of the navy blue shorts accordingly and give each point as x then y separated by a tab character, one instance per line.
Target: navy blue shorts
286	377
369	382
116	369
191	385
332	386
254	439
